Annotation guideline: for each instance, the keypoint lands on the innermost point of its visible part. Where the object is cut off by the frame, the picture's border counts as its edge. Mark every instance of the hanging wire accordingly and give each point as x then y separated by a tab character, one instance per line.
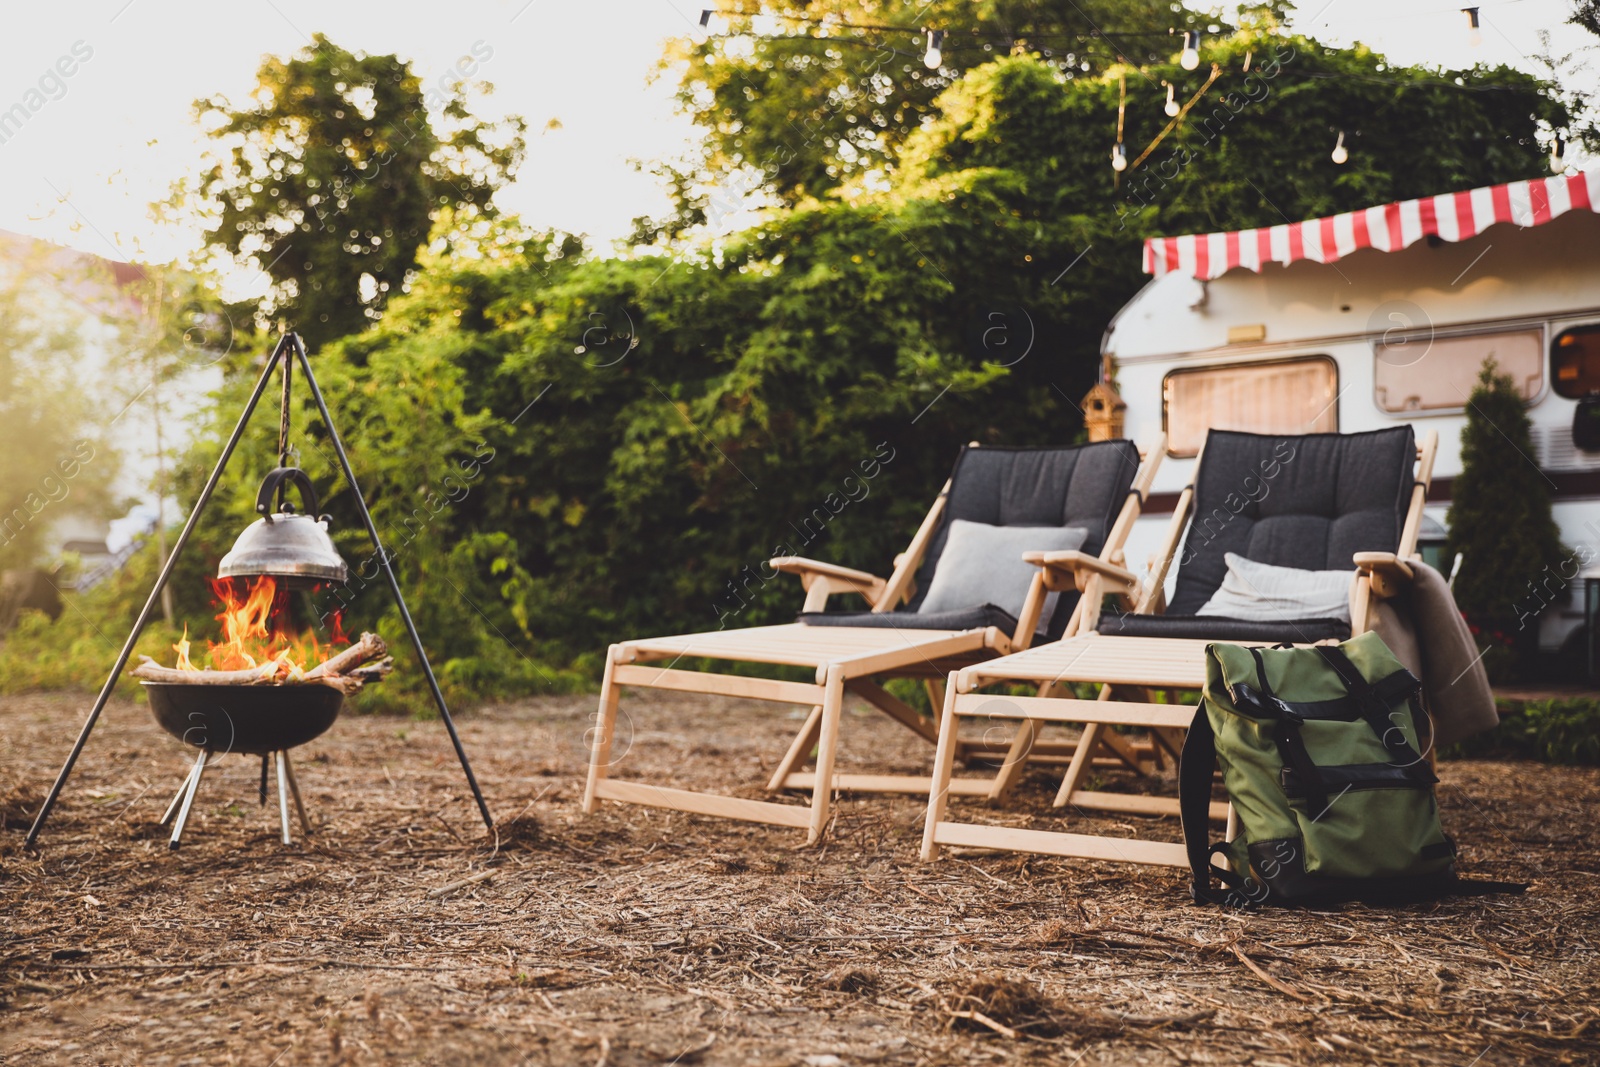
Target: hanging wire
1177	120
1120	56
1118	155
919	30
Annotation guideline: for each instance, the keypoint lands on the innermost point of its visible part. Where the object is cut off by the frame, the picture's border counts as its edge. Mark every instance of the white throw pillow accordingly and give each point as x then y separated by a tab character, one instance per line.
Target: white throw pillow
982	564
1260	592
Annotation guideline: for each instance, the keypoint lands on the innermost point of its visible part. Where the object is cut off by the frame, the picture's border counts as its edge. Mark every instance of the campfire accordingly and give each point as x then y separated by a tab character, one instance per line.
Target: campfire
255	650
260	691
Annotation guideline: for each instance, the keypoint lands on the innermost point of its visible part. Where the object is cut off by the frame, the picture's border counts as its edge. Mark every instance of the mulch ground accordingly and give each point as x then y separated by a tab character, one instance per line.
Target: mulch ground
644	937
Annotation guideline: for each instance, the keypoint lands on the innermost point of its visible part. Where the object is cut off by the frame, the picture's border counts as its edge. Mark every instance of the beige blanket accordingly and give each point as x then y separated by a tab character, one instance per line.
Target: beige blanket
1424	629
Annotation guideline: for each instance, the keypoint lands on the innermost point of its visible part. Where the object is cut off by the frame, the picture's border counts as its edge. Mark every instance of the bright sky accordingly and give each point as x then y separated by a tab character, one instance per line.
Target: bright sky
112	136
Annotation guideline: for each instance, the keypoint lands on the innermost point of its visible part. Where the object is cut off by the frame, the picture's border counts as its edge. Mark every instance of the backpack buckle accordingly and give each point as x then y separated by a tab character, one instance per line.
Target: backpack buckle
1287	712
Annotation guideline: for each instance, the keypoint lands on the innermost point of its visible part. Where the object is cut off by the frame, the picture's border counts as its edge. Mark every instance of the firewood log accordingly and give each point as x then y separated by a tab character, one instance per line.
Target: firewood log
352	681
266	674
370	646
373	672
344	671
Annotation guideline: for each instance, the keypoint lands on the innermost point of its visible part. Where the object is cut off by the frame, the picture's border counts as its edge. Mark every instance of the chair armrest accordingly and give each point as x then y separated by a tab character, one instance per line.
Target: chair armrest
821	579
800	565
1071	570
1388	572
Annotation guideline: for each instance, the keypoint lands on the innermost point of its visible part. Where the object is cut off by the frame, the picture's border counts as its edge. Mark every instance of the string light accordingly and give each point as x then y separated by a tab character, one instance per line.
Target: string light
1340	153
1558	148
933	58
1173	107
701	32
1190	57
1474	34
1119	158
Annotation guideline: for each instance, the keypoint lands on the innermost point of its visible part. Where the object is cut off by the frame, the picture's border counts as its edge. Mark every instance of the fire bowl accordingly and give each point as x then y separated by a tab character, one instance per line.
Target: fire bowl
253	719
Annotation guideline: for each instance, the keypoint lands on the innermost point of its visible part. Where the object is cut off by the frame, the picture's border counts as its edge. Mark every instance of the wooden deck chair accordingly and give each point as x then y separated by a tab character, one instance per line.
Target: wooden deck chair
1091	487
1317	502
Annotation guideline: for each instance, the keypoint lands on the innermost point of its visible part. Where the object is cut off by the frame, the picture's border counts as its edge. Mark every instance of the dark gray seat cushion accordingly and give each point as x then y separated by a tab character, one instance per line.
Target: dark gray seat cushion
966	619
1310	502
1217	628
1079	485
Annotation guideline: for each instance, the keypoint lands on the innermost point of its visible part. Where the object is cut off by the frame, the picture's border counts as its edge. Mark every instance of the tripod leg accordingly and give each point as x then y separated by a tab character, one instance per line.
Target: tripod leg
294	791
261	790
155	595
188	799
393	582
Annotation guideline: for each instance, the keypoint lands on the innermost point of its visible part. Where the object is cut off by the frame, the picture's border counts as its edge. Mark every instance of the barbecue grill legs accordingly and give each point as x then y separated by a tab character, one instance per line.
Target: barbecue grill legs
177	798
294	791
287	787
188	798
283	798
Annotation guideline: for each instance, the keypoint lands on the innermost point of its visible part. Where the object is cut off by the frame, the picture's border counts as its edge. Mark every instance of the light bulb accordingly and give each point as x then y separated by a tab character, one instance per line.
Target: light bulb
933	58
1190	58
1172	107
701	31
1474	35
1341	154
1119	158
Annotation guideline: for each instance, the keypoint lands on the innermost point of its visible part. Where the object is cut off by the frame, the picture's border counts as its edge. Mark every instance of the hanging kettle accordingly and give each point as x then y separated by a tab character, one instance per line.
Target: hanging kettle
293	547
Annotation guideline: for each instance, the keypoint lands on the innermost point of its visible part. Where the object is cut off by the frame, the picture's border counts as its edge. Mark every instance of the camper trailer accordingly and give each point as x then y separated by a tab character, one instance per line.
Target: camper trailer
1377	317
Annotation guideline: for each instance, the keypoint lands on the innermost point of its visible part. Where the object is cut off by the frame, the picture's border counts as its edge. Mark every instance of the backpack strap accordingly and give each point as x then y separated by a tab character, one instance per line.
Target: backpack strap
1375	709
1400	685
1291	746
1195	768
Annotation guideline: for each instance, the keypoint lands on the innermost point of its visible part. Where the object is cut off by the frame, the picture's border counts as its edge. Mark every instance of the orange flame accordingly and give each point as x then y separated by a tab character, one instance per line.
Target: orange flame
250	636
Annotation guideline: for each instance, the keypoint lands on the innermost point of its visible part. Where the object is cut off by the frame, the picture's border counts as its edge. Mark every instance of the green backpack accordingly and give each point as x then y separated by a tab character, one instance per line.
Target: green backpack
1320	756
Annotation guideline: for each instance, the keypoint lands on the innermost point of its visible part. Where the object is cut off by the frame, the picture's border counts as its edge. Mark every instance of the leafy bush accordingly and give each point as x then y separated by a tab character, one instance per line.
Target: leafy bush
1553	731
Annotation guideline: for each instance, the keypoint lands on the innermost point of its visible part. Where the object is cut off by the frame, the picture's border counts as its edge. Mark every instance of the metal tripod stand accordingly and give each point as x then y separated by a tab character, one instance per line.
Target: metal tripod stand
288	349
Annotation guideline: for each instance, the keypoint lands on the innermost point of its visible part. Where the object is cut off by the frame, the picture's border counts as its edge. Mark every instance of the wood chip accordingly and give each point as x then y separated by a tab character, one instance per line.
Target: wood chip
461	883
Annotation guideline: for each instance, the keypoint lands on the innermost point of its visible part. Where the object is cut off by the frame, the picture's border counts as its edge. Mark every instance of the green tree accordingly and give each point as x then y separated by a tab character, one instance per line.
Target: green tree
331	176
800	109
806	101
1513	563
1586	13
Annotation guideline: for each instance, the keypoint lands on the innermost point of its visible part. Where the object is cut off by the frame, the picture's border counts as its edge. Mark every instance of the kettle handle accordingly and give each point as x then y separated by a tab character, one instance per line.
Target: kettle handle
275	478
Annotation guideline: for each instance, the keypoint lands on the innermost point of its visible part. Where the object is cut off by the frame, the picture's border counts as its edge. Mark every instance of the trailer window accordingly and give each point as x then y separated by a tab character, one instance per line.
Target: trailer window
1432	374
1292	396
1575	362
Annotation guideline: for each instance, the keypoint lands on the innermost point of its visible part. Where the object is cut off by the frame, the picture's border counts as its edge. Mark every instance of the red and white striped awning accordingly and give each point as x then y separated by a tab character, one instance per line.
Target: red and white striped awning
1389	228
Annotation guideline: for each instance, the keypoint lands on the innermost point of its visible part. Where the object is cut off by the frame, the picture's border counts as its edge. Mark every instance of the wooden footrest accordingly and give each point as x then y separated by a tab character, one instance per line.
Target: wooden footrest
1053	709
660	796
891	783
727	685
1052	843
1135	804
